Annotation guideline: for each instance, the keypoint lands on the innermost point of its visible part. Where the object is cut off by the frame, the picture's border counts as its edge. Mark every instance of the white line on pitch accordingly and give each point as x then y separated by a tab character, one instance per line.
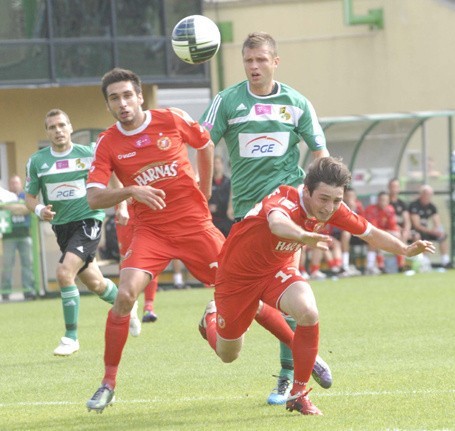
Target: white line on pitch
314	395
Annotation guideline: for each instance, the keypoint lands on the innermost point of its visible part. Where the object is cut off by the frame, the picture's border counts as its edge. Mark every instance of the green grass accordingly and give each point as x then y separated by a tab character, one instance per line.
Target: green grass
390	341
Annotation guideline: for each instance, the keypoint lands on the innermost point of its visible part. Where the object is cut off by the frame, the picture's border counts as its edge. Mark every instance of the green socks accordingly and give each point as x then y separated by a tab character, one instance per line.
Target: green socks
70	301
110	293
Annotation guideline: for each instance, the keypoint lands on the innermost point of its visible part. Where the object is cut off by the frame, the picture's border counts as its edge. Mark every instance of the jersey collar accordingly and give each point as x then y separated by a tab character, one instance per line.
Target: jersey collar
64	154
141	128
275	93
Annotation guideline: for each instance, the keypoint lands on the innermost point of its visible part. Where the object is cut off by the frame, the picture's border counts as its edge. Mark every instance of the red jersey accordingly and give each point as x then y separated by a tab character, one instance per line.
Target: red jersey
382	218
155	154
252	250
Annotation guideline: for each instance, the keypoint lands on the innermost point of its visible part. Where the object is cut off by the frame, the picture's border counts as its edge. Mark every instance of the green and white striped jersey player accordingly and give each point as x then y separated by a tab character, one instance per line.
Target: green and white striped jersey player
57	175
60	177
262	135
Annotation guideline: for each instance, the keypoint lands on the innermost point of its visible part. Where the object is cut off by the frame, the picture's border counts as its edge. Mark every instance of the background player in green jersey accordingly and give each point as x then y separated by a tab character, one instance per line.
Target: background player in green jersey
59	173
262	122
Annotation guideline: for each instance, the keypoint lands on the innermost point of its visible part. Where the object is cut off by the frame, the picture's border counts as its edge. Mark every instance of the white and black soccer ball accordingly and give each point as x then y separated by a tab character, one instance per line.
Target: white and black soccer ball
196	39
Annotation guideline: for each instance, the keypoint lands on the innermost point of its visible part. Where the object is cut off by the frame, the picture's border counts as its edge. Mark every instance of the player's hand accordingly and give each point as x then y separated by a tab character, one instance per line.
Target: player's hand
153	198
122	216
47	214
317	240
418	247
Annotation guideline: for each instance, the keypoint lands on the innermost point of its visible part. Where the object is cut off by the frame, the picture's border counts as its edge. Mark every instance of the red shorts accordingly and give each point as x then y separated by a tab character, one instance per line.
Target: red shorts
237	302
124	236
152	252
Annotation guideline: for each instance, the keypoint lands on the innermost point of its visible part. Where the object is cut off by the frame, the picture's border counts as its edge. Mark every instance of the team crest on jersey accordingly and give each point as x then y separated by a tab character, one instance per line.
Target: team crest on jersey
284	114
127	255
221	321
80	164
164	143
143	141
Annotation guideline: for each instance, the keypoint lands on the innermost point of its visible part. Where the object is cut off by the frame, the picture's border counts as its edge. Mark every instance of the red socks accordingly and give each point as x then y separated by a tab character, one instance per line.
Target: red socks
149	294
210	322
304	352
272	320
116	334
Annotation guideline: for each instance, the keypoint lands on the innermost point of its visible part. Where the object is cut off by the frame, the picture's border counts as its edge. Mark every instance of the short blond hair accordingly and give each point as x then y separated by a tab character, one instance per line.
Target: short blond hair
258	39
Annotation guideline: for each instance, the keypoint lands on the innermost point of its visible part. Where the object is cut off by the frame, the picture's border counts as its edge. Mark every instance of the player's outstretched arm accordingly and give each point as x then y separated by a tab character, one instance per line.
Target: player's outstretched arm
383	240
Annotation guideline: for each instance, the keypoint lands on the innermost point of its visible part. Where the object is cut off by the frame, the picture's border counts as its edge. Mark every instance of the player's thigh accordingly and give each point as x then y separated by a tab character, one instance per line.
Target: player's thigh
199	253
92	275
298	301
236	308
148	252
69	266
289	292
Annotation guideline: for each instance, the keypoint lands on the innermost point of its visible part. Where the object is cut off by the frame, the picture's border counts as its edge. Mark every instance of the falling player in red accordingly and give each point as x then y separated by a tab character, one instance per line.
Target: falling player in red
267	238
147	152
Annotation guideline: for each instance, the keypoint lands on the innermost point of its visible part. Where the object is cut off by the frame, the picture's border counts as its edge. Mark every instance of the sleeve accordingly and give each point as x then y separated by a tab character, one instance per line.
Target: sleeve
32	185
280	200
101	169
350	221
191	131
413	209
214	119
310	129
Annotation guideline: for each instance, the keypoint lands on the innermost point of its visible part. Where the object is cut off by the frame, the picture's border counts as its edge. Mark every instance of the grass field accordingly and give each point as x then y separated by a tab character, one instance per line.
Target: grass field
390	341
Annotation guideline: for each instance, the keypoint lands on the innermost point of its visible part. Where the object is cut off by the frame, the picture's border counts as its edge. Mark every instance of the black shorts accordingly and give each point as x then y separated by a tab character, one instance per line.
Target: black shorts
428	237
79	237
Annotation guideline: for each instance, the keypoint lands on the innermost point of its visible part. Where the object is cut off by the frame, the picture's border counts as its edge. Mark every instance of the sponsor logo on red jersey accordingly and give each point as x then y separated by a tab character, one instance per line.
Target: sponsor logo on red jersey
288	246
143	141
157	172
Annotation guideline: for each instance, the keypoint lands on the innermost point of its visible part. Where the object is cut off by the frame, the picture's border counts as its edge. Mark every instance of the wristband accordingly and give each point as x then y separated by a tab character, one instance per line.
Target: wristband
38	209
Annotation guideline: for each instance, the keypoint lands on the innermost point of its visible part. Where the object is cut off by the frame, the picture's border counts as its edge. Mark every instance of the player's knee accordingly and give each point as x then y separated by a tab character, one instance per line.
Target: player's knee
64	275
228	357
126	297
308	316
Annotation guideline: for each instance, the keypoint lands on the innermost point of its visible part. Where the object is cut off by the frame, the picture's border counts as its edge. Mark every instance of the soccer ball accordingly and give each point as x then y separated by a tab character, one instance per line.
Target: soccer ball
196	39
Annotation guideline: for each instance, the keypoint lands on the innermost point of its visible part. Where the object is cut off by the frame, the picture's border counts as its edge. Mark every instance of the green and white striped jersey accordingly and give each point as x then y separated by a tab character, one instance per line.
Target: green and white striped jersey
61	178
262	135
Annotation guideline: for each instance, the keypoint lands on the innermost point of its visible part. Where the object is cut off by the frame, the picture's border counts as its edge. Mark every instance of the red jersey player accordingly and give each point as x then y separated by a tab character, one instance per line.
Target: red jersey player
267	238
147	152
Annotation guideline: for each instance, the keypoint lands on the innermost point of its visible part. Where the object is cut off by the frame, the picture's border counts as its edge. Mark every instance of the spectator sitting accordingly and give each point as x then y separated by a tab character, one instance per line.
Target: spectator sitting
402	215
427	223
346	239
381	215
